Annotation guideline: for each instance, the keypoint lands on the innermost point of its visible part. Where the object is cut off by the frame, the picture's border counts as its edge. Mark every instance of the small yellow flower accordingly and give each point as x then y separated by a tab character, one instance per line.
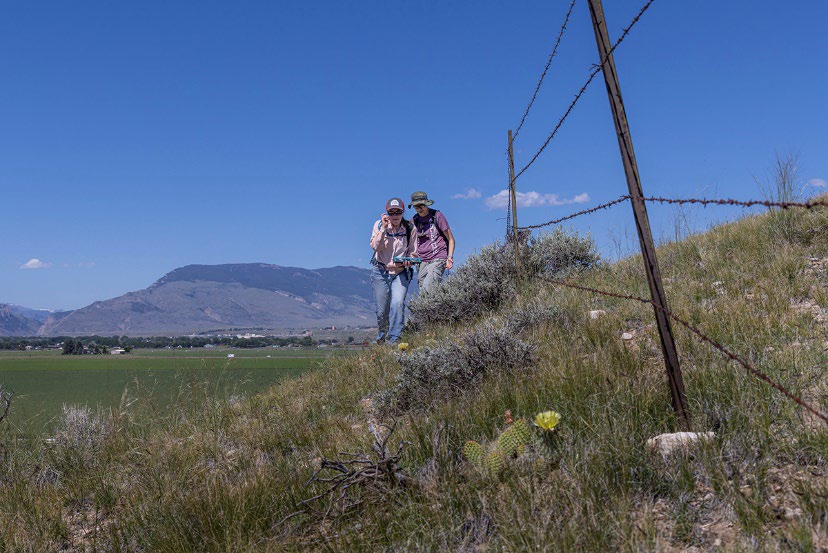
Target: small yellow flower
403	346
547	420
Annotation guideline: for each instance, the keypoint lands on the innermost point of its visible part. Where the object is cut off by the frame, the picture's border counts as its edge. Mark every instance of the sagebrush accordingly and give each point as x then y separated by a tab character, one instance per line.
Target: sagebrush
491	278
433	373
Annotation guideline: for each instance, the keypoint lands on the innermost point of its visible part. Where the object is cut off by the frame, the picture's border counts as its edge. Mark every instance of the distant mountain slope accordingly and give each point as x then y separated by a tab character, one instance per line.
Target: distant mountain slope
198	298
14	324
39	315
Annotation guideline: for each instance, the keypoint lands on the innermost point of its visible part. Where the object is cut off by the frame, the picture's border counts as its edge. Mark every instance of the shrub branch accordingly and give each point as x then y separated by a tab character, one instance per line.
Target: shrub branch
354	478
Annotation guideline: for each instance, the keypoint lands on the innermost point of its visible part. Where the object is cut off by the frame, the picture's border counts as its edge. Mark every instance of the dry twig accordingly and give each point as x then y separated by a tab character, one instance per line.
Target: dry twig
356	478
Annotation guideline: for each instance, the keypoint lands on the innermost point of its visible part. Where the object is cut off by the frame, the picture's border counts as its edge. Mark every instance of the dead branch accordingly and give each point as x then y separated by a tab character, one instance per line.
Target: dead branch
355	479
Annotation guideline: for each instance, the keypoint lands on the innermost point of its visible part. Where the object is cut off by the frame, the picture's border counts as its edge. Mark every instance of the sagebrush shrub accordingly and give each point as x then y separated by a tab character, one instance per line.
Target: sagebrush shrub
488	280
431	374
559	252
530	314
81	435
480	285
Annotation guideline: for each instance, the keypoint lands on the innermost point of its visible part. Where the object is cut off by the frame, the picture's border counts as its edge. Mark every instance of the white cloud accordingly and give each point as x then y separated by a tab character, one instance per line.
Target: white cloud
818	183
35	264
533	199
471	194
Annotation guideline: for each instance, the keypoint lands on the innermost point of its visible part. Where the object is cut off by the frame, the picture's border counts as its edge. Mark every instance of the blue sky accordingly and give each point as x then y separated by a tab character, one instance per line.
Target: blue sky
140	137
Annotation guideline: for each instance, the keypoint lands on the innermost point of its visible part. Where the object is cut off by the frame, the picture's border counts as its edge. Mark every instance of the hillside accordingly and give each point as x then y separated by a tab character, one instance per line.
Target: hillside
199	298
299	467
14	323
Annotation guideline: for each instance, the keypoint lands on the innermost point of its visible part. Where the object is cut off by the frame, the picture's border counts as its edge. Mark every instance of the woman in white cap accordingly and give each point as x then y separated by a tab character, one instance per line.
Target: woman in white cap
392	236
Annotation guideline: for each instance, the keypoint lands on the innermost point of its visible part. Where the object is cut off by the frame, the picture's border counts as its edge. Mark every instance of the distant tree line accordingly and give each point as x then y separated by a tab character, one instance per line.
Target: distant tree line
75	345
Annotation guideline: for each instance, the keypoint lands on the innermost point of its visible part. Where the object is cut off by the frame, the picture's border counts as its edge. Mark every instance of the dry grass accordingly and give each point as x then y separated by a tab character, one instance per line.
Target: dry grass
222	476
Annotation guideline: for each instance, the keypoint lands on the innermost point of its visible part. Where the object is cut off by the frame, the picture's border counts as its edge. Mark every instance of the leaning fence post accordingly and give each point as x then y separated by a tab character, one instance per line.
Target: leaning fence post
512	194
642	222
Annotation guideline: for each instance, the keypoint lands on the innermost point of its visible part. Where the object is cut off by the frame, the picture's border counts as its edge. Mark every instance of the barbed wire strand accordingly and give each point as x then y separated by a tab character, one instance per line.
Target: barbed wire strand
578	214
703	337
680	201
545	70
583	88
743	203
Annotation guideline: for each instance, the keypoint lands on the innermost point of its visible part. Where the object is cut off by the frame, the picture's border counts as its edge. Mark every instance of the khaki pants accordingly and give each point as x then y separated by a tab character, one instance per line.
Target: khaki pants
430	273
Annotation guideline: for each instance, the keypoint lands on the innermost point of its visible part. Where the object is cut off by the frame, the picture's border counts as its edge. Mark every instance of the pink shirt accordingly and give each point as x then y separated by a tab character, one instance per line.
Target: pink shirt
388	244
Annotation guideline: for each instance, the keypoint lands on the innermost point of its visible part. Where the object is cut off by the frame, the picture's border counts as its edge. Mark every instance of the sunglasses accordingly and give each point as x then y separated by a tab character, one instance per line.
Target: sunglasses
393	213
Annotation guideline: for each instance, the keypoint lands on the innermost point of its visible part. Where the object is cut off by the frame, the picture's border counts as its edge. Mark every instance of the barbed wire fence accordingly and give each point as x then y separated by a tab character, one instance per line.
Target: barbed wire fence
545	69
704	202
638	200
702	337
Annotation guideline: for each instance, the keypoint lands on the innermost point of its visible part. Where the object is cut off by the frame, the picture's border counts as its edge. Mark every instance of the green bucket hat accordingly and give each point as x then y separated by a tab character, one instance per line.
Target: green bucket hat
420	198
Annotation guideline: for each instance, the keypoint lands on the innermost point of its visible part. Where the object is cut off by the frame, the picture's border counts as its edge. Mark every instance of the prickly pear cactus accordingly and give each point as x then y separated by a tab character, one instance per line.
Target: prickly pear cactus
512	442
514	438
475	454
495	462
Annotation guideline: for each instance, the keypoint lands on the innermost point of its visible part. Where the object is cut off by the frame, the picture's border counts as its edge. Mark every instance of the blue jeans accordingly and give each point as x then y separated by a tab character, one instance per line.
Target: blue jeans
389	293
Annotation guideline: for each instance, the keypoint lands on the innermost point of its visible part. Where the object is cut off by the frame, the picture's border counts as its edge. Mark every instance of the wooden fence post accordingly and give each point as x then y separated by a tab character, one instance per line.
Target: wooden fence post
514	204
642	222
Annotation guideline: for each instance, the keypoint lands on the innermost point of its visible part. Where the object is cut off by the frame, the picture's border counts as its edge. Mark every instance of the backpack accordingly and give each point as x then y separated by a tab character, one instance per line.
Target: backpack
434	216
408	227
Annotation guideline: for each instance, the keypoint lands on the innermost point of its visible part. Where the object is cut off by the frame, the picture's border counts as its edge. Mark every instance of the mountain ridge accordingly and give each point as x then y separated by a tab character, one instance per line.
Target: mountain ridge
198	298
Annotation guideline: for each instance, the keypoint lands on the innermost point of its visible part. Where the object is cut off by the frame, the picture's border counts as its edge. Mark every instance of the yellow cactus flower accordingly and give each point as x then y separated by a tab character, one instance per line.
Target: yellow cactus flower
403	346
547	420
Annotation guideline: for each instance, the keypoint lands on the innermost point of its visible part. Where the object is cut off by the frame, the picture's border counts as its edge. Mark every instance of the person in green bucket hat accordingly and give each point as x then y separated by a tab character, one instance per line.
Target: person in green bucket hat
434	241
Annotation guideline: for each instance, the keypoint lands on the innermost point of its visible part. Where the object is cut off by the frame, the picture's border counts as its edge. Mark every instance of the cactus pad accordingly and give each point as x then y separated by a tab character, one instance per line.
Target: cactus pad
474	453
495	461
514	438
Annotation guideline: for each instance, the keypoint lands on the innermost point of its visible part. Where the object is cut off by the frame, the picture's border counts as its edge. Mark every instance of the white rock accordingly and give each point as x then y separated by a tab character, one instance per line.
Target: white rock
627	336
595	313
668	443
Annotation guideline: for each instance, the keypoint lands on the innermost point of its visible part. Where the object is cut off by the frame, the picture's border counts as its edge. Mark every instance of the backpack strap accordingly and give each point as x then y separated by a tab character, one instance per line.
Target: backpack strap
434	217
409	228
436	211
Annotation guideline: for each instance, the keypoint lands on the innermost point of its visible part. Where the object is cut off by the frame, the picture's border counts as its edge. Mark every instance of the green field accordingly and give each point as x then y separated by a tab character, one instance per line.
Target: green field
43	381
